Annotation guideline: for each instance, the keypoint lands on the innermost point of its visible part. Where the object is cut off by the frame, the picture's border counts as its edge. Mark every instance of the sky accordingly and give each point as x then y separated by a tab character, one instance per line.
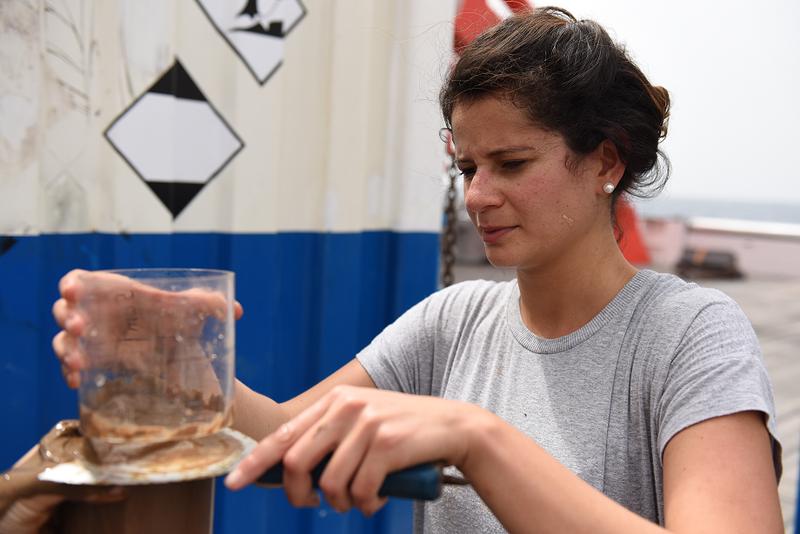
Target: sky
733	72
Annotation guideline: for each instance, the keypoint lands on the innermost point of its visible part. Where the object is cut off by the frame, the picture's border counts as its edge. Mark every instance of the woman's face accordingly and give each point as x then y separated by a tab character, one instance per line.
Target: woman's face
533	201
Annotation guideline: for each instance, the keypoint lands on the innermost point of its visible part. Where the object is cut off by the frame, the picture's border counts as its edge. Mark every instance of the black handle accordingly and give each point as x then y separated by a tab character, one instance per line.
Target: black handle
422	482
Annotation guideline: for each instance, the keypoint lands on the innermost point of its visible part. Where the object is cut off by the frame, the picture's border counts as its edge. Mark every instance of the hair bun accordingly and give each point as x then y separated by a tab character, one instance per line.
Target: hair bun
660	98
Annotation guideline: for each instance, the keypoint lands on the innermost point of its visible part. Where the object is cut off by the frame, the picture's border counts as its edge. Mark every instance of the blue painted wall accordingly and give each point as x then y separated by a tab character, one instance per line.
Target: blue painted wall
311	300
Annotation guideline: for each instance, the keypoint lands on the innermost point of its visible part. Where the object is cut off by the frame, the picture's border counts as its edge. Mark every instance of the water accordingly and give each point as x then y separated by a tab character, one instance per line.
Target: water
726	209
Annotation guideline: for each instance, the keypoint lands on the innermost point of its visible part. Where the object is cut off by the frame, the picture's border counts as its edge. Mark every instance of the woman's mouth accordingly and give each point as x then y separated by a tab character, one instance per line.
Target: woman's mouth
492	234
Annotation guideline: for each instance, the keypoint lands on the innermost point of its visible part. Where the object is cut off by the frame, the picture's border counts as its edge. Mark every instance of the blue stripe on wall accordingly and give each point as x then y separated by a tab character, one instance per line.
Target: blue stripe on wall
311	300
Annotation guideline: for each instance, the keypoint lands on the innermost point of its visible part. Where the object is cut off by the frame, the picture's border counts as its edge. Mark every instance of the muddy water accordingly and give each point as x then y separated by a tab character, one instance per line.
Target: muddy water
143	410
64	443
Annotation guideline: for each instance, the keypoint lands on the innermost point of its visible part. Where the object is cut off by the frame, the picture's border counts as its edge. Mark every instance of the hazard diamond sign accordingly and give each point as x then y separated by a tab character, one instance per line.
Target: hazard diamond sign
255	29
174	139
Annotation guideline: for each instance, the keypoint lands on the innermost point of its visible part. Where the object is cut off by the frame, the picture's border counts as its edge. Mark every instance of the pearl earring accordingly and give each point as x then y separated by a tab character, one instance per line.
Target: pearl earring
608	187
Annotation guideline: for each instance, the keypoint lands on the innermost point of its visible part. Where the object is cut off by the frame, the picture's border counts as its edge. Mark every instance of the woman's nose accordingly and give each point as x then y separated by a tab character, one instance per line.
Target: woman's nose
480	193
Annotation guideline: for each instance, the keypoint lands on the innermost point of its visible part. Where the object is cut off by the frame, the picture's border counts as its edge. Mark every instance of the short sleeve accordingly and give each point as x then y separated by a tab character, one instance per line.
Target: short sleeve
717	370
401	357
413	354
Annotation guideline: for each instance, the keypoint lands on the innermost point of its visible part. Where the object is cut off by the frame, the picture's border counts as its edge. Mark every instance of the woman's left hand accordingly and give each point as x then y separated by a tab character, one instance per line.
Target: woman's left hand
371	433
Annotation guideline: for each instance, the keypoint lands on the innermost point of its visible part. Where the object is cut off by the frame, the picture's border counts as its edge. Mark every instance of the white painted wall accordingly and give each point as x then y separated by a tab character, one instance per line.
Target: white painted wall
343	137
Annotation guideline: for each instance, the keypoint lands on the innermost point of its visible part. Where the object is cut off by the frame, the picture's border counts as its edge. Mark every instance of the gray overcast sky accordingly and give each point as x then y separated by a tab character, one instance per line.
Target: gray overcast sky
733	72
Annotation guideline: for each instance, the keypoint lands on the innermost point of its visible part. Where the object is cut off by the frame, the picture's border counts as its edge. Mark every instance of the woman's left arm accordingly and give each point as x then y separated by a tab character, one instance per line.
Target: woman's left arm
718	477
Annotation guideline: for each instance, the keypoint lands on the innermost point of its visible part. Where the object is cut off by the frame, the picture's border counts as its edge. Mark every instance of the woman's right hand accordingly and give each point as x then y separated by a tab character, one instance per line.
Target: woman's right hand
131	312
369	433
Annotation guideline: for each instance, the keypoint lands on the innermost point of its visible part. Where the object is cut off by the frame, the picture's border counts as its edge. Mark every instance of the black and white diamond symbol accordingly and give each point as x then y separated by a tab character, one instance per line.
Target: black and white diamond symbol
174	139
255	29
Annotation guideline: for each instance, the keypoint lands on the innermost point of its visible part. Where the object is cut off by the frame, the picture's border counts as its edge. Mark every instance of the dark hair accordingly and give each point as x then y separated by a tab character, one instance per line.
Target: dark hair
570	78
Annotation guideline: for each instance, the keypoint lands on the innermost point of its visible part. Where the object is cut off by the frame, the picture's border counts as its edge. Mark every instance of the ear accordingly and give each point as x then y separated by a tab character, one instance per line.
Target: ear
609	167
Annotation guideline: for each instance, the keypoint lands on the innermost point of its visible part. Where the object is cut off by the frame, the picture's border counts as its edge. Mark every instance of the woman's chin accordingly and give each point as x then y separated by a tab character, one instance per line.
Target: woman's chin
501	261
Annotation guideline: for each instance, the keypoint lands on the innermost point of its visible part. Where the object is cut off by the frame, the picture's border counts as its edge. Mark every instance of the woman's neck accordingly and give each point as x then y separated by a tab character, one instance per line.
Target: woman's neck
559	299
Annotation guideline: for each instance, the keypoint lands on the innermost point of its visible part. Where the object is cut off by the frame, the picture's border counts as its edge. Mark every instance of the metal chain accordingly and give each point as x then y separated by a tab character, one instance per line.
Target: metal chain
449	237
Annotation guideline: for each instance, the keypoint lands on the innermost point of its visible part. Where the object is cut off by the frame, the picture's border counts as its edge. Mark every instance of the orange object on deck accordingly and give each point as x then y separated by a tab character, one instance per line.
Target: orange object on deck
474	17
629	237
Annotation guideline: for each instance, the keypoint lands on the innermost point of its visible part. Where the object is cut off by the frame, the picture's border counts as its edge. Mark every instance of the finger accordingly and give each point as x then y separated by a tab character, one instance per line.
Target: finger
29	457
367	483
67	349
60	311
60	345
210	303
322	437
371	508
299	461
69	285
272	448
68	318
335	480
266	454
238	310
388	451
75	323
29	514
73	379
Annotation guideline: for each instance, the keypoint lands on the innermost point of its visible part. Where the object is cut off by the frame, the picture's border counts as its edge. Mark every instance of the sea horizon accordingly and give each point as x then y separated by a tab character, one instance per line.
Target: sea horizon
684	208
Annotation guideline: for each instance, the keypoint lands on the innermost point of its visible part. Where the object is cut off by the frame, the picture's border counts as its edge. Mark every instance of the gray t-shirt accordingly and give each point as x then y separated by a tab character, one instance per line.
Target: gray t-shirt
604	400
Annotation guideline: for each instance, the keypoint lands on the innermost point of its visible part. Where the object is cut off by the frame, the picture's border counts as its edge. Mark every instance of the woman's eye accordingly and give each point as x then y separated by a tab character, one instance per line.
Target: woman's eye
467	173
512	164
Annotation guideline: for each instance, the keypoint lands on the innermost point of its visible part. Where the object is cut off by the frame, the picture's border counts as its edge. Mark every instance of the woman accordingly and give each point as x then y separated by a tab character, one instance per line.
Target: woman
585	395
